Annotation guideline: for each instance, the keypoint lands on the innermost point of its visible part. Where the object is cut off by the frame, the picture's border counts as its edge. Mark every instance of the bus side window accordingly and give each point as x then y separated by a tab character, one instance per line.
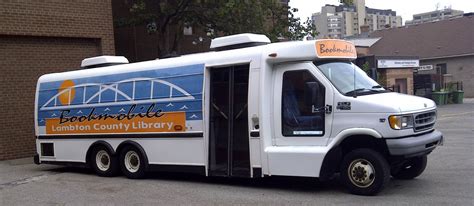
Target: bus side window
302	104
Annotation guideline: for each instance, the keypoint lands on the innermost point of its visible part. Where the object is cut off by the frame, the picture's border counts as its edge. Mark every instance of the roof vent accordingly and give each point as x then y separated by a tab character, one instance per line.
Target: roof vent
103	61
238	41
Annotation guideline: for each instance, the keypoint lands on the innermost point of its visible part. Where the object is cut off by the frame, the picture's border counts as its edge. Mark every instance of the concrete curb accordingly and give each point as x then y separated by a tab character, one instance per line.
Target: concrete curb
468	100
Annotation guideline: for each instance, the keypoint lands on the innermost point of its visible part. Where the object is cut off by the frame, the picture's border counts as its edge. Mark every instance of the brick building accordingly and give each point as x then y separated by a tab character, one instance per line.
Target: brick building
445	49
38	37
425	57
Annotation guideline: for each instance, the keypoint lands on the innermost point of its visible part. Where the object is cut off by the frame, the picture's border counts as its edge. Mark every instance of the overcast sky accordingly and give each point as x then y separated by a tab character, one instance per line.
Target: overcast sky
404	8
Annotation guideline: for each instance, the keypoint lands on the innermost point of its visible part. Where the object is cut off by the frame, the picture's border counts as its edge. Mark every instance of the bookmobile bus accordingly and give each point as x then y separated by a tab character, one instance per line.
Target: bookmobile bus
249	108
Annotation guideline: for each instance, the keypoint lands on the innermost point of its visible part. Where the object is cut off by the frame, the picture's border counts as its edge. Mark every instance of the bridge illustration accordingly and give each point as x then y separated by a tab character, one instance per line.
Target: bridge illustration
121	96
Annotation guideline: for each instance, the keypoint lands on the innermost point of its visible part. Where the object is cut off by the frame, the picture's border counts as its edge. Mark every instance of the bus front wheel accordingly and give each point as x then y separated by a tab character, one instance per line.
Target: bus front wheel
364	172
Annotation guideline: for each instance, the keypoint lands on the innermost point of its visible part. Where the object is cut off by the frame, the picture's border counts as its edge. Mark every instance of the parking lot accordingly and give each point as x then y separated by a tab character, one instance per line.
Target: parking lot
447	180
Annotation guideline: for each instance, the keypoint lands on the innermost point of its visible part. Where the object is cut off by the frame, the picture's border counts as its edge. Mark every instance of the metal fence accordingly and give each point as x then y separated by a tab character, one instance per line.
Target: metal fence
453	86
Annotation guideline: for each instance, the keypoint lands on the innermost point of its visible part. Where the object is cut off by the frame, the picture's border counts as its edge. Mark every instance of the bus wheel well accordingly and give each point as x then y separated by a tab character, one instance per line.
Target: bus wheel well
135	145
334	157
97	144
363	141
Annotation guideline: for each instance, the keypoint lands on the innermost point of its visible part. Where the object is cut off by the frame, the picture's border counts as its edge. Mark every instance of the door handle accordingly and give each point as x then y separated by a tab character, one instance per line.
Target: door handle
328	109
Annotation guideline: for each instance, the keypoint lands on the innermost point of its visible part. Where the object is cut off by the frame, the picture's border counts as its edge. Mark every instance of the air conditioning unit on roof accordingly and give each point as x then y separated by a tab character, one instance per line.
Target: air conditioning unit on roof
238	41
103	61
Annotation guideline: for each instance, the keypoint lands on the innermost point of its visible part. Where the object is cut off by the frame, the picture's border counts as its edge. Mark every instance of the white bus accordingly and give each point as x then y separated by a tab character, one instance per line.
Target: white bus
249	108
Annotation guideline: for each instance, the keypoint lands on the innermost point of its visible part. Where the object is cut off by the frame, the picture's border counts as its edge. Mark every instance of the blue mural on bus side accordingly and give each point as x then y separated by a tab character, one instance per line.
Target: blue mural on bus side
72	106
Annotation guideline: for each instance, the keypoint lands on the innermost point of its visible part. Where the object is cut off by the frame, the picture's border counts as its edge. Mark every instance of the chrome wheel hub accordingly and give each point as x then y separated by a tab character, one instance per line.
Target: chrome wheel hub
361	173
132	161
102	160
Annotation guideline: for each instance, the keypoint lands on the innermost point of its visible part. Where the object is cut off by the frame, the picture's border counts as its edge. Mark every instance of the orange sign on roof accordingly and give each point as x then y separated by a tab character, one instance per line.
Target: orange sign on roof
335	48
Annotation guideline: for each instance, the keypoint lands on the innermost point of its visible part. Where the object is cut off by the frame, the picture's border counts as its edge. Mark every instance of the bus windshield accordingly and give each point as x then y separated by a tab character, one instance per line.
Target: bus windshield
343	74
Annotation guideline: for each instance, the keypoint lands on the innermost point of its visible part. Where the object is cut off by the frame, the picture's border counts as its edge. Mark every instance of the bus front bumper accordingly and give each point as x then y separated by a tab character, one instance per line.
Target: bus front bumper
415	145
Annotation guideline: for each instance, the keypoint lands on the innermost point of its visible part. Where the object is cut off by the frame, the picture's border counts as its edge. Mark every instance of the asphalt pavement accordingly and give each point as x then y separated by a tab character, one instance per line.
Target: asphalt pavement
447	180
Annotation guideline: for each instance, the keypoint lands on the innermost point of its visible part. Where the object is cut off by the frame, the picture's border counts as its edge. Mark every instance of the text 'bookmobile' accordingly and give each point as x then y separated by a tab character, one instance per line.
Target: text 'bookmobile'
249	108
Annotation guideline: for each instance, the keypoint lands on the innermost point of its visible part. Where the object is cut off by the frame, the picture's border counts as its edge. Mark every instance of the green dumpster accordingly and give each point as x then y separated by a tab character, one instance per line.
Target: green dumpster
440	98
449	98
458	96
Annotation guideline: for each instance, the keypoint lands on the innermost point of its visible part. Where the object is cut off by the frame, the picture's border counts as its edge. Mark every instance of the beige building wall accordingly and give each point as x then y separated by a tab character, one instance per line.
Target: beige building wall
354	19
350	28
461	69
398	21
391	75
361	13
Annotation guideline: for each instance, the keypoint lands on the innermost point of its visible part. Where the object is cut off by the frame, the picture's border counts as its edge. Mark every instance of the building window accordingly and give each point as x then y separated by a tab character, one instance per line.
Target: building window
188	30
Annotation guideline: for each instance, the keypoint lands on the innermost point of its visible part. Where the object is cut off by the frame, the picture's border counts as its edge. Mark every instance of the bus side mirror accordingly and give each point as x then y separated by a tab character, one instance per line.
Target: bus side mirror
311	92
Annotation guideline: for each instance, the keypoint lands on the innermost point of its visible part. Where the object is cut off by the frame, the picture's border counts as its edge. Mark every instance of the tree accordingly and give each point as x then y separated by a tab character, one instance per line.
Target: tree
268	17
161	18
166	19
298	30
347	2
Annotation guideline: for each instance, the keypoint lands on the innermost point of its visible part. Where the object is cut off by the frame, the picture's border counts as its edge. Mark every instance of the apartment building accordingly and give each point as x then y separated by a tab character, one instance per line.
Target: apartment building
347	20
436	15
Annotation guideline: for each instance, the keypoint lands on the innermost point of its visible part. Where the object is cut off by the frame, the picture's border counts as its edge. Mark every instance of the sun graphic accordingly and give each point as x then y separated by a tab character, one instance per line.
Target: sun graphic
67	92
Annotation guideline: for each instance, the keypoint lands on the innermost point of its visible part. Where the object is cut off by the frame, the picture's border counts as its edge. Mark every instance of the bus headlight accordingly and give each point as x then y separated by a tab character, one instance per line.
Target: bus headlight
400	122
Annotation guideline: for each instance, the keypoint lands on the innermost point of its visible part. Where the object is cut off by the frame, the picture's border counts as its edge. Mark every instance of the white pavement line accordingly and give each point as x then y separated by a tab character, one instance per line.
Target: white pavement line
22	181
449	116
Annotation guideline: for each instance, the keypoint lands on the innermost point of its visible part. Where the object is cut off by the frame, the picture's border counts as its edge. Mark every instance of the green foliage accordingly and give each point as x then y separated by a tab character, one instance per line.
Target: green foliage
382	80
366	67
450	87
347	2
297	29
258	16
216	18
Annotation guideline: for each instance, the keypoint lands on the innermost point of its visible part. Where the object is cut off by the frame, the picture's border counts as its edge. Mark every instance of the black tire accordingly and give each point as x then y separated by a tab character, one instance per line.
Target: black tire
103	161
132	162
364	172
411	169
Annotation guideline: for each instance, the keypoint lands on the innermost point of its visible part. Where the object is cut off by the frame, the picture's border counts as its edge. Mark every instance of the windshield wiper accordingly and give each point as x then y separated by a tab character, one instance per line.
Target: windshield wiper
374	89
378	88
355	91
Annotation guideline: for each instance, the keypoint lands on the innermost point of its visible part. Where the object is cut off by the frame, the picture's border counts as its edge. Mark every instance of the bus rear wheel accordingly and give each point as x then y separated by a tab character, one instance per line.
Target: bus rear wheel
132	162
103	162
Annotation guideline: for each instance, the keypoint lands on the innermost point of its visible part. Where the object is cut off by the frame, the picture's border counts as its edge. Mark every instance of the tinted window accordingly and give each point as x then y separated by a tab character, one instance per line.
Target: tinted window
302	104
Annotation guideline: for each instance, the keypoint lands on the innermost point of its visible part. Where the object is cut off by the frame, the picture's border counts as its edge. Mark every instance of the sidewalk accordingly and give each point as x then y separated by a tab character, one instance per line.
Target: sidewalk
21	161
468	100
